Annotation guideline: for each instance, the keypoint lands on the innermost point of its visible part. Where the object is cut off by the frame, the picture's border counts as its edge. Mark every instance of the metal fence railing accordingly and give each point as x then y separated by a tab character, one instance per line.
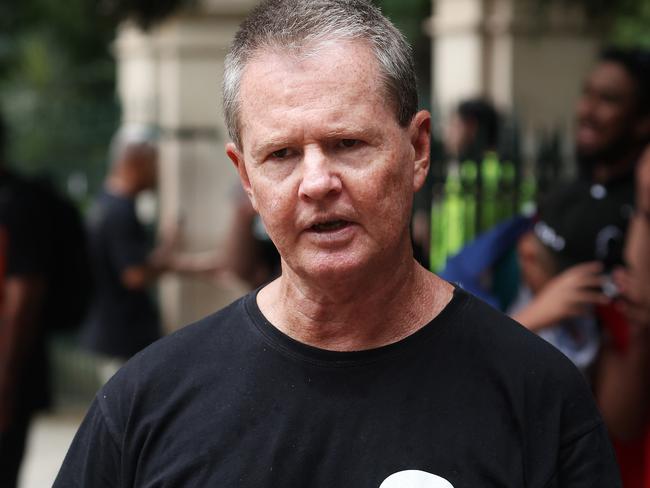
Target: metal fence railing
470	197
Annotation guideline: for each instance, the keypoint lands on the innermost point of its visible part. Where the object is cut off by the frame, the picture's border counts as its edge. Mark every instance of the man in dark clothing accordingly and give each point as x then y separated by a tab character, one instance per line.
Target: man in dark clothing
612	130
123	317
25	279
356	367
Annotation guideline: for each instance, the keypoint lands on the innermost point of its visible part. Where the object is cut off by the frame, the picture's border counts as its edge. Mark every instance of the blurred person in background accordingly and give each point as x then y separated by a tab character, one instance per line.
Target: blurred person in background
472	131
613	127
45	289
612	117
478	190
612	130
623	387
561	261
124	317
26	281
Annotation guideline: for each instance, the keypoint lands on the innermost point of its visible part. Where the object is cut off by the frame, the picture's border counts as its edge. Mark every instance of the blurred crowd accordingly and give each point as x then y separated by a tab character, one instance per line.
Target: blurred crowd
574	268
576	271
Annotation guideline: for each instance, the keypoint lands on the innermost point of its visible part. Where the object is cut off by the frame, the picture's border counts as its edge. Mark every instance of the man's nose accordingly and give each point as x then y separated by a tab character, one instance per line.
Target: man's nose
319	178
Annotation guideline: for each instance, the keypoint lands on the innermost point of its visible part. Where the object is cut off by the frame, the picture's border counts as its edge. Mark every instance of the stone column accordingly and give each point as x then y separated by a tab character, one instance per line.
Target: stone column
171	77
529	60
137	75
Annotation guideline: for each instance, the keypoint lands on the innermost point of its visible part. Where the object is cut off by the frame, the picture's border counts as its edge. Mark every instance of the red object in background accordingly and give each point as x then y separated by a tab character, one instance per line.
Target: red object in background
615	325
634	461
3	261
633	456
646	461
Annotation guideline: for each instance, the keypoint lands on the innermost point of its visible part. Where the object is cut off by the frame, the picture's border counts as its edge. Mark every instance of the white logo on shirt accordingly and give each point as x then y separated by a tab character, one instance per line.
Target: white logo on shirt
415	479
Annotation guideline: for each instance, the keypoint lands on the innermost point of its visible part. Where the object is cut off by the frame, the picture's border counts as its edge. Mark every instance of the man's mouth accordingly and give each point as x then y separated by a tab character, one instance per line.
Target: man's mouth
587	124
329	226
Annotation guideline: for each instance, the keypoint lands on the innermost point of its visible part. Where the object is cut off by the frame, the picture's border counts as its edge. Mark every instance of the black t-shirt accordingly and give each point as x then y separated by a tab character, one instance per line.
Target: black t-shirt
121	321
472	397
26	254
592	219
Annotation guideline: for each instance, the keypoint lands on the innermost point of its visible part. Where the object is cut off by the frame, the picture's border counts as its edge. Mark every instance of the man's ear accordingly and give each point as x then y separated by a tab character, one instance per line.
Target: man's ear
237	159
420	130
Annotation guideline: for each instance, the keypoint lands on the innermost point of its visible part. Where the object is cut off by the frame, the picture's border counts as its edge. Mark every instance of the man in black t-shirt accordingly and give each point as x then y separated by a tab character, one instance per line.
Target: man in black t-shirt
356	367
123	318
612	132
25	280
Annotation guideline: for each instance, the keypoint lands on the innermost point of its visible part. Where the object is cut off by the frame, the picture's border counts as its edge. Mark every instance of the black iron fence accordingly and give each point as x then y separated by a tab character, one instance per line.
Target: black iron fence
468	197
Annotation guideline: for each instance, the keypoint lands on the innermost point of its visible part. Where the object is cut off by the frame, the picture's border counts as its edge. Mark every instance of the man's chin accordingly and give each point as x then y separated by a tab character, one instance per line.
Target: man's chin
335	269
590	158
604	155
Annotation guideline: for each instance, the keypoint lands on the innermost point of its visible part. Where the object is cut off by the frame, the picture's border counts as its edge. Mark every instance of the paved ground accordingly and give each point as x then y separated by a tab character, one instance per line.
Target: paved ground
48	442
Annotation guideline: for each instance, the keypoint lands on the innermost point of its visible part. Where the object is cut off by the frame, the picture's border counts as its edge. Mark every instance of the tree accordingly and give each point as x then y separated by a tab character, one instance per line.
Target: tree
57	81
630	19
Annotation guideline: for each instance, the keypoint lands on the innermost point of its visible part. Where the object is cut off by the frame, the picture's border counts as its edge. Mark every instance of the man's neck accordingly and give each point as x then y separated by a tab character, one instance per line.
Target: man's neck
607	171
357	314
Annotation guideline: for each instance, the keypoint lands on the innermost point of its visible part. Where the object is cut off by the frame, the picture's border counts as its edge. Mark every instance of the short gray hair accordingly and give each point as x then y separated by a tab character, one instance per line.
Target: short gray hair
296	25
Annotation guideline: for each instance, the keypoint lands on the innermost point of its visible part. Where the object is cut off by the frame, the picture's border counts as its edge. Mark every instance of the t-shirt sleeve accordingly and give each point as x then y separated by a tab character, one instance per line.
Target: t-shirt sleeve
128	245
588	462
94	456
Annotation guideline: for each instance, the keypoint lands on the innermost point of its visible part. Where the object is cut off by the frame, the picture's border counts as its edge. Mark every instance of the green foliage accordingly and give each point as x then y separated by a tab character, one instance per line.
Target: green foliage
632	25
409	17
144	12
57	86
630	19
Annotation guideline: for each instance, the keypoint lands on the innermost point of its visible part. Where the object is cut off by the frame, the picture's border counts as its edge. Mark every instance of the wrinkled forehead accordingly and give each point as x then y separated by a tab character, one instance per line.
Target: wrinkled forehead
354	57
329	76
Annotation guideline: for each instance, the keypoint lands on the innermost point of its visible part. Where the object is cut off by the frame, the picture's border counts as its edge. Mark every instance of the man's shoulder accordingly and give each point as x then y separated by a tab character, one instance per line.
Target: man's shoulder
541	382
20	197
108	208
504	343
187	351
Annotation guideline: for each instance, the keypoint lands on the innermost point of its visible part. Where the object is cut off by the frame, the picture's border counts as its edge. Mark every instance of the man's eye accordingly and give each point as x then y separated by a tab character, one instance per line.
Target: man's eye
280	153
348	142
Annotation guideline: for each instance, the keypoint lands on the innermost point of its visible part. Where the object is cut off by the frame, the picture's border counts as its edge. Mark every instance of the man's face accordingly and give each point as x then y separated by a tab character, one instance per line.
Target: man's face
148	165
458	135
325	162
606	116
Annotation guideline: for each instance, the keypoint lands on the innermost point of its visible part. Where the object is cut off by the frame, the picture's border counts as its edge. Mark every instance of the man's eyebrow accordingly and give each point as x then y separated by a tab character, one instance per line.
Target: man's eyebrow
267	145
344	131
351	132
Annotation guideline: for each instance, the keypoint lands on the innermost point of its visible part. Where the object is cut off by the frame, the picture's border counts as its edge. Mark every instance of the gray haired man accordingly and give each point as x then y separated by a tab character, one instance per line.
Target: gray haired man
355	368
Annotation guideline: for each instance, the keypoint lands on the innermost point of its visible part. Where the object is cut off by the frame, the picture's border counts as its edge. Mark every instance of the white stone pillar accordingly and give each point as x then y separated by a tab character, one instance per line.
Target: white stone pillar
137	74
458	51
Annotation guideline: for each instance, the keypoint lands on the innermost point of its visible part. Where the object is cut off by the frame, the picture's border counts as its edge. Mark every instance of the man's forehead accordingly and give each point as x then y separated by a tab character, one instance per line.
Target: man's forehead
322	57
345	74
611	73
